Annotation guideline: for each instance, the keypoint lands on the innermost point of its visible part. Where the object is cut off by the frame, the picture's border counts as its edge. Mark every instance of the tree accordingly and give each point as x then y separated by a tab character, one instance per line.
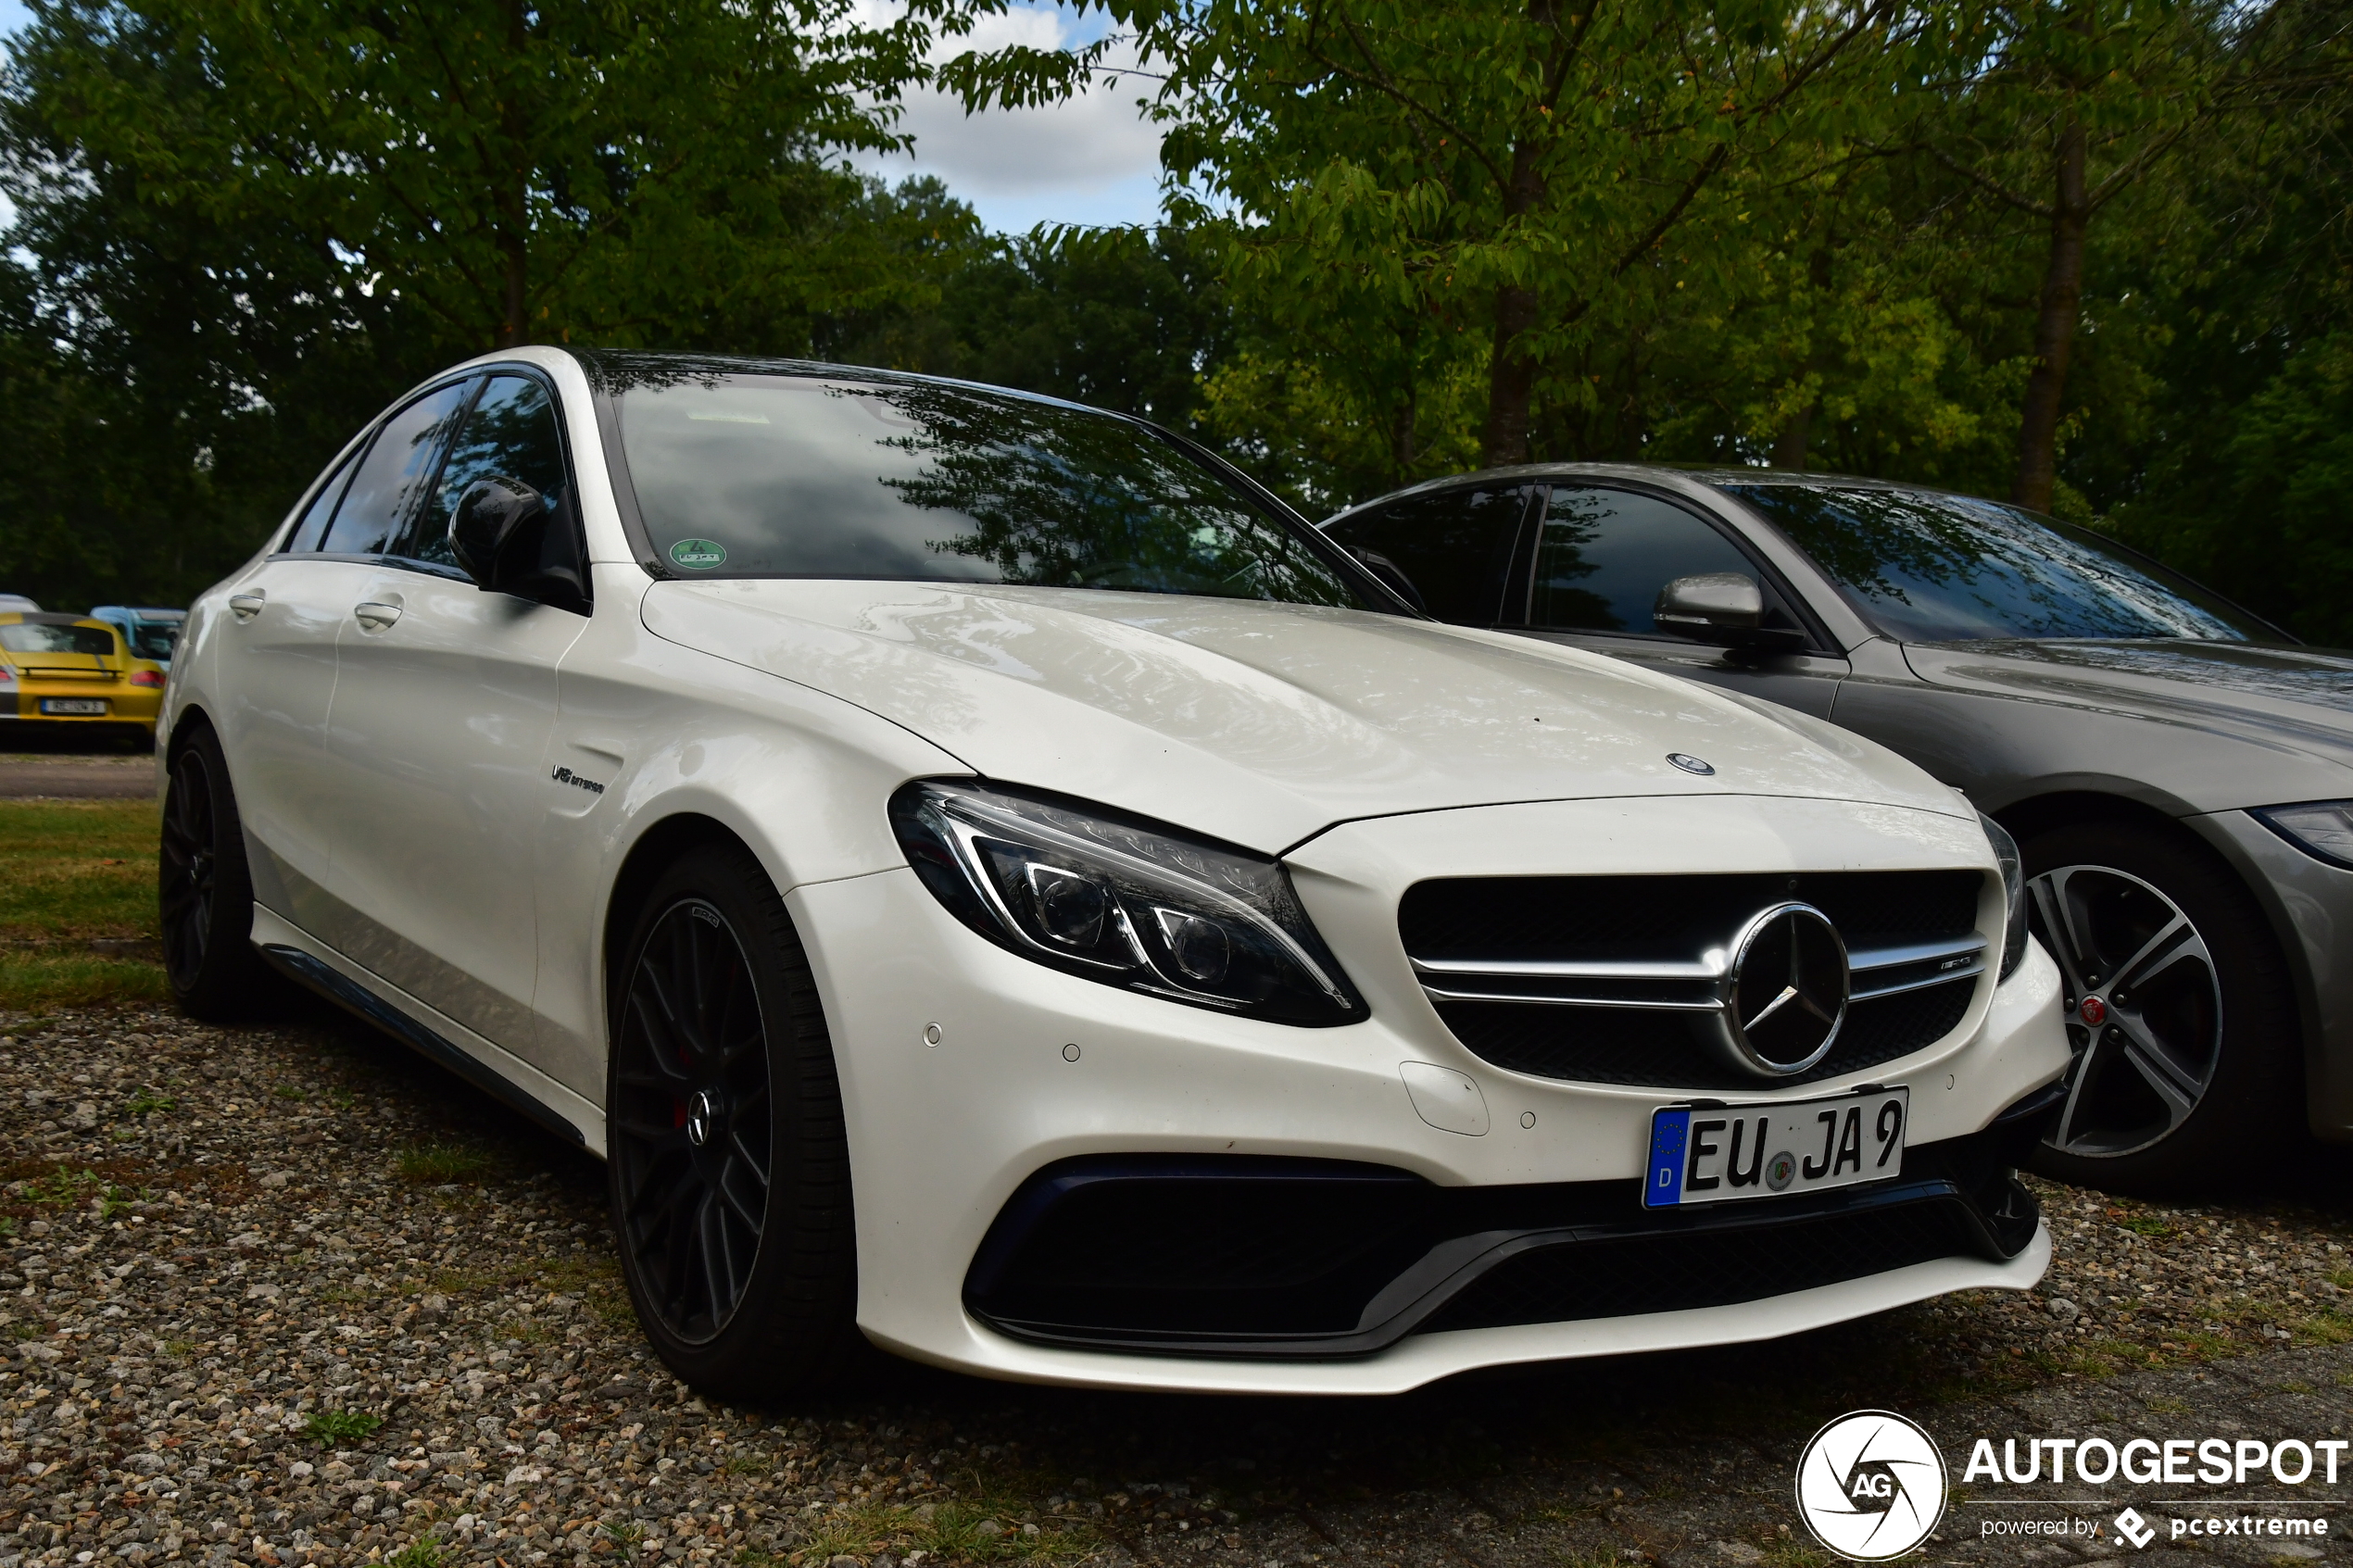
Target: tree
514	172
1414	170
2054	110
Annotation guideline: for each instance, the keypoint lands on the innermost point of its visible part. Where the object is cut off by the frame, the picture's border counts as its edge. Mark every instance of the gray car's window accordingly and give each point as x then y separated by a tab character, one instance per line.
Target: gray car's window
781	476
1931	568
385	485
509	434
1453	548
1605	554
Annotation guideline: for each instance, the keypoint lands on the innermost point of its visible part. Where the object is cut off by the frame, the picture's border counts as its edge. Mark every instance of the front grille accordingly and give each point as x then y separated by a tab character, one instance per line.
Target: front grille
1615	980
1628	1276
1667	1051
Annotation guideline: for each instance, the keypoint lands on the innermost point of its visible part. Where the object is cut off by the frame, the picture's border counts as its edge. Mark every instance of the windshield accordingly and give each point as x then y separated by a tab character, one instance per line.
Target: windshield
35	636
1932	567
785	476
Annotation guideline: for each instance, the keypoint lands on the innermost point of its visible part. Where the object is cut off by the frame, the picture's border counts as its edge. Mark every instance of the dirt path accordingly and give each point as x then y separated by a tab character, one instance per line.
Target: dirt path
39	776
291	1295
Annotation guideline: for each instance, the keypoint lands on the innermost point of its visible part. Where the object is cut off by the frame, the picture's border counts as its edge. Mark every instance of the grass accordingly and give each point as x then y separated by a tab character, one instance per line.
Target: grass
436	1164
422	1552
72	872
336	1429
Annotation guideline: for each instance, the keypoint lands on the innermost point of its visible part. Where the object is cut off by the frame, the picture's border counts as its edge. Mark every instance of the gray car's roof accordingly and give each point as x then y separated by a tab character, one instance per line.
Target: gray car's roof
1693	476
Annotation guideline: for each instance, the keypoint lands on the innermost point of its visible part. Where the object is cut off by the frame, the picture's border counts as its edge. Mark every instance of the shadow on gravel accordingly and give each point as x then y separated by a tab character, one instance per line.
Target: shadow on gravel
1971	1347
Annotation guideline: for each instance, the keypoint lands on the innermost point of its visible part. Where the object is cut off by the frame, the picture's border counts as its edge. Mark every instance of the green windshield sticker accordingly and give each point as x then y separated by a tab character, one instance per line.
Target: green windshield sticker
699	555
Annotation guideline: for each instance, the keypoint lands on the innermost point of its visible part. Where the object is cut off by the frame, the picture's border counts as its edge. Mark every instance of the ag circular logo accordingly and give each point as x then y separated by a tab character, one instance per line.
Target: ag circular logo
1872	1486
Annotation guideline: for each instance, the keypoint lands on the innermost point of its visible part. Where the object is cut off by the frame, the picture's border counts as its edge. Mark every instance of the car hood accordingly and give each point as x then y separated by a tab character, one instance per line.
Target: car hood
2298	700
1264	724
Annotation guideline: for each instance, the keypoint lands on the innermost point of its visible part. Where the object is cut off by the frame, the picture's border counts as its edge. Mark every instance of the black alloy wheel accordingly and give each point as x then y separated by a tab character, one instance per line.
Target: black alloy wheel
726	1154
2177	1013
204	888
692	1136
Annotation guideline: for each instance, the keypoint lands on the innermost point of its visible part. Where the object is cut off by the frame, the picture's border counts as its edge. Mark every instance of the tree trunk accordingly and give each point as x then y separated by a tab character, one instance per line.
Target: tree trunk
513	199
1789	447
2054	328
1511	379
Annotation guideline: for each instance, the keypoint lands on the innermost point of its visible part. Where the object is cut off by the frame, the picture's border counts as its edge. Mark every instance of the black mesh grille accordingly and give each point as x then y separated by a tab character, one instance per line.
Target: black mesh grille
1711	1268
1666	1051
1635	919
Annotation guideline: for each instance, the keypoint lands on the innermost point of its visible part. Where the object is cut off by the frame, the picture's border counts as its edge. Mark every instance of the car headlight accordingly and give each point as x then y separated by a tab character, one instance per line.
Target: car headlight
2013	892
2323	829
1122	901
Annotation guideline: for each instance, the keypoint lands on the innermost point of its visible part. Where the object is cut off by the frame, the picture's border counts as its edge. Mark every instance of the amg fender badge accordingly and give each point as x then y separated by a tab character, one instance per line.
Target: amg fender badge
566	776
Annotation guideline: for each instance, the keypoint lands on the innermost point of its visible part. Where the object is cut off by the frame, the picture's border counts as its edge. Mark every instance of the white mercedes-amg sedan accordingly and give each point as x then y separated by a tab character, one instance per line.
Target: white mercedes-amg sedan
988	876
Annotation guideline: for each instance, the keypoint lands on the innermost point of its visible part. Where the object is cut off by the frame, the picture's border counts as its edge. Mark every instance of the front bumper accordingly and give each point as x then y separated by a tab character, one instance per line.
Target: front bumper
2310	905
1032	1068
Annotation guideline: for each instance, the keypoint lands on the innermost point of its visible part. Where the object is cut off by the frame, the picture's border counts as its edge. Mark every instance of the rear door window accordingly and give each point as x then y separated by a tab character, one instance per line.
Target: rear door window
391	479
312	528
1453	547
1603	555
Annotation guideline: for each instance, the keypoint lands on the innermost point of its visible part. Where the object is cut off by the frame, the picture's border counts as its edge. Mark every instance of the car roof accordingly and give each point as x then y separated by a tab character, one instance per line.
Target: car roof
50	618
1680	476
615	370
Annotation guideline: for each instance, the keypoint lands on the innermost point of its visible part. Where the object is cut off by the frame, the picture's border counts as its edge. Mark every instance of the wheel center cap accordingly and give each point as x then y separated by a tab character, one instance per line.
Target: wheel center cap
702	1116
2093	1010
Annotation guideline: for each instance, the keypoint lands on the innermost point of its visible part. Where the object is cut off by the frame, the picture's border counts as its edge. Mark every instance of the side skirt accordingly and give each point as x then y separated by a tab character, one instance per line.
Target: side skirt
489	1066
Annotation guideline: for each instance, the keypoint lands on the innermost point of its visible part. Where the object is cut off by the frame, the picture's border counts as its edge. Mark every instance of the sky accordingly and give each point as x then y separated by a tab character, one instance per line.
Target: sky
1092	160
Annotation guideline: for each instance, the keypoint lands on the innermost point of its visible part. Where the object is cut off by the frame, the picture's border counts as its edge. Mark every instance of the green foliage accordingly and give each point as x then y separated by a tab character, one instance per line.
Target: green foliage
425	1552
438	1163
335	1429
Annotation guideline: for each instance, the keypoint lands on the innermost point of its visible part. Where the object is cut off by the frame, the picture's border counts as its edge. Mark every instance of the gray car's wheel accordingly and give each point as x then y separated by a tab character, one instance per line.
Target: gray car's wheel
2178	1010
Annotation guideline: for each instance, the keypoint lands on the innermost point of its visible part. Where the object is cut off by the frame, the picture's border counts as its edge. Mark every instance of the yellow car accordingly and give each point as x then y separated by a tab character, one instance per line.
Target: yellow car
60	670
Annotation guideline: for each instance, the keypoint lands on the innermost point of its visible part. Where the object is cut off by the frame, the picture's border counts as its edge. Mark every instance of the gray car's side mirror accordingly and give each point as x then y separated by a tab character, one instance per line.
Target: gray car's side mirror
1723	607
1708	605
488	524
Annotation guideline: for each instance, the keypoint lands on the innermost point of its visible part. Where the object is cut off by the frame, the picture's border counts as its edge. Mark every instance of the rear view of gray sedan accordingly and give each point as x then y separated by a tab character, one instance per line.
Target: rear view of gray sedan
2178	772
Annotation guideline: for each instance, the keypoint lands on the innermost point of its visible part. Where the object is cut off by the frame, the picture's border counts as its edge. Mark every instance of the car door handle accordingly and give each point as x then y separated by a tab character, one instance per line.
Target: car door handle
376	617
244	606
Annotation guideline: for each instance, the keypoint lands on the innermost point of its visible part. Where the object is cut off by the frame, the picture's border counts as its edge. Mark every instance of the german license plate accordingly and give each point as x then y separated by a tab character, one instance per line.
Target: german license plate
1723	1153
73	705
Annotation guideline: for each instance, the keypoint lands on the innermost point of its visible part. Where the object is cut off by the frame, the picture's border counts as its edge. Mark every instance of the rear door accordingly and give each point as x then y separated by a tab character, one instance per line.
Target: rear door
1603	553
274	680
445	703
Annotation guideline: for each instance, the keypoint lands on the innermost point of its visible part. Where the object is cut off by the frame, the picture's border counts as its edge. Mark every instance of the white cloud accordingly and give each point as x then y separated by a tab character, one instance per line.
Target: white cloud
1092	159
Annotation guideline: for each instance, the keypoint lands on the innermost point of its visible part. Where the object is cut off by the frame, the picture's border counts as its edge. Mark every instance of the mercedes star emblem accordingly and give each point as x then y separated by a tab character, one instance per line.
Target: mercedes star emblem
1784	995
702	1113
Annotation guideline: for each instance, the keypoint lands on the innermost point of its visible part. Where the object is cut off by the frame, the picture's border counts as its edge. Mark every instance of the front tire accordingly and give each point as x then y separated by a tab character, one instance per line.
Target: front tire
728	1162
205	889
2179	1011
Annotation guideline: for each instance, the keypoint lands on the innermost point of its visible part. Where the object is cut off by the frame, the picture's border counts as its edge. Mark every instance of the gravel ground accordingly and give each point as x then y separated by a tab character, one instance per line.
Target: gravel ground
291	1295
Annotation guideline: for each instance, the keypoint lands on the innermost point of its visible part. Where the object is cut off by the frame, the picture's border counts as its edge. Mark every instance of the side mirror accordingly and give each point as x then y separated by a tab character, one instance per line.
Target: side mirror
1710	605
489	522
1723	607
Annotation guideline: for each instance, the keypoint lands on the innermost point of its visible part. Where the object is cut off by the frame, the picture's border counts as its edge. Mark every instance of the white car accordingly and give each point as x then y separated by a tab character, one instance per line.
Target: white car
988	877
